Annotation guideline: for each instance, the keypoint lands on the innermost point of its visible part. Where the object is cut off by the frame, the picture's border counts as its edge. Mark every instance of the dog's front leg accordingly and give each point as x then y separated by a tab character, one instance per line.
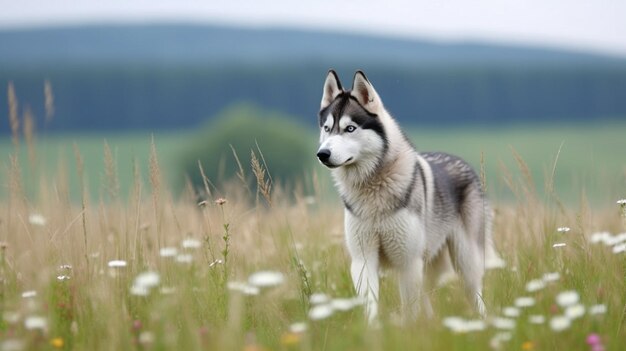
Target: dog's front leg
364	273
410	282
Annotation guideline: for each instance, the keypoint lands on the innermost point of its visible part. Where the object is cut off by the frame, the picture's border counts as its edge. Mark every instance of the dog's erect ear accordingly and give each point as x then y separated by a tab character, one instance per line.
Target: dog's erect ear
364	92
332	88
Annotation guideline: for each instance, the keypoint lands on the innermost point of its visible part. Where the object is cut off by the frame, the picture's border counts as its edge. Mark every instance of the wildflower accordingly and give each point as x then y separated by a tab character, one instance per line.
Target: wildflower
619	248
184	258
148	279
146	337
57	343
560	323
299	327
621	202
264	279
497	339
168	252
524	301
557	245
575	311
117	264
29	294
191	244
220	201
37	219
459	325
567	298
563	229
290	339
63	277
535	285
144	282
321	312
343	304
536	319
593	339
595	342
551	277
35	322
510	312
318	298
139	290
600	237
528	345
243	288
137	325
597	309
503	323
66	267
216	262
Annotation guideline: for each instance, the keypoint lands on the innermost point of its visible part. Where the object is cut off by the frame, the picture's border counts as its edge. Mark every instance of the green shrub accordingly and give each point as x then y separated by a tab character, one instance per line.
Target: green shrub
286	147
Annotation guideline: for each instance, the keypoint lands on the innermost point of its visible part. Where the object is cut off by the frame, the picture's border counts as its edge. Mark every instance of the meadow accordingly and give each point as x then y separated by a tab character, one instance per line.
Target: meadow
98	252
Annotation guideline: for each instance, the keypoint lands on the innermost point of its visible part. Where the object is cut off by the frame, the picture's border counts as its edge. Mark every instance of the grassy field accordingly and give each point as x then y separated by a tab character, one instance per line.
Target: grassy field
590	163
131	265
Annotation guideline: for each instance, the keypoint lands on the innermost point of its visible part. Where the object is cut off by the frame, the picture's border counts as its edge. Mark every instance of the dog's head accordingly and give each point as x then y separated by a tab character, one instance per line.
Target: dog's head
351	130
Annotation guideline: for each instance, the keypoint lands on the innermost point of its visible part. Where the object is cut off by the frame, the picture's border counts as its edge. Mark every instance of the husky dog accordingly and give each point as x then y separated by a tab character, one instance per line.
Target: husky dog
404	210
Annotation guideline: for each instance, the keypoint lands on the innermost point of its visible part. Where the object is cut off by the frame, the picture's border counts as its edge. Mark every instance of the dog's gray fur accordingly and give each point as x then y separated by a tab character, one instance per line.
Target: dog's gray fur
405	210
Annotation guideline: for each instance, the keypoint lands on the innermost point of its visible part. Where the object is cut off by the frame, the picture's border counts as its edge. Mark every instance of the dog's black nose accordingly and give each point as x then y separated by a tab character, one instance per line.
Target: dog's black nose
323	155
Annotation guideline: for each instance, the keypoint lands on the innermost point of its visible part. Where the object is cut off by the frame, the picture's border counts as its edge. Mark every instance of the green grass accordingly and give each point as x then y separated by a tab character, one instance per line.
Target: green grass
301	236
590	161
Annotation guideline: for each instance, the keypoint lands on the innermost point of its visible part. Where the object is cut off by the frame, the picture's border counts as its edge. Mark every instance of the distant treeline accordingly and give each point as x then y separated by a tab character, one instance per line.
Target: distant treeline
114	97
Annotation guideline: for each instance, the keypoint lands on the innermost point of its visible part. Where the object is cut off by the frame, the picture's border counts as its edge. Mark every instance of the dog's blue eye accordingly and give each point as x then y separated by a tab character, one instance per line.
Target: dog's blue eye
350	129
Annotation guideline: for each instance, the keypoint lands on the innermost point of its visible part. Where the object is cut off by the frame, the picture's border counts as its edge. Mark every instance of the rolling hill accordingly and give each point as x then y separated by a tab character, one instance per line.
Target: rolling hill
176	76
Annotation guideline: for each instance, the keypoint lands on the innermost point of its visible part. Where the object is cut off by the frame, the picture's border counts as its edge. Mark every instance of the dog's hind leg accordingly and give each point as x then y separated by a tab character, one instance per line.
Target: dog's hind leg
468	260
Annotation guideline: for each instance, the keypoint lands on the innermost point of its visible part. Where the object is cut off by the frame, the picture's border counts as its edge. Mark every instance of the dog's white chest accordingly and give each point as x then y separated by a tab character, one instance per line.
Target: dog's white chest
397	238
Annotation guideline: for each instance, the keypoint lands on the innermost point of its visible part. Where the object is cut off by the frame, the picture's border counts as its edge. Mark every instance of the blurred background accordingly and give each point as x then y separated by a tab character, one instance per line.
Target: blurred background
488	80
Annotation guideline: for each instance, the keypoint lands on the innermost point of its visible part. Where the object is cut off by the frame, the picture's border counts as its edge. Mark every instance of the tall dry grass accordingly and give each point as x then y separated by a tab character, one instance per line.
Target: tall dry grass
63	286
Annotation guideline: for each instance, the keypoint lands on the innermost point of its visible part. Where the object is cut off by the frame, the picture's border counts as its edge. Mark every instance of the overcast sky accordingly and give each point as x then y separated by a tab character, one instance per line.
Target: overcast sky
597	25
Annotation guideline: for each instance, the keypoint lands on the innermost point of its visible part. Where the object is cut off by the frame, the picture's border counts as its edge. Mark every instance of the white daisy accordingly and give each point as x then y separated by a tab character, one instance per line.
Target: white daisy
567	298
563	229
37	219
319	312
511	312
575	311
536	319
265	279
551	277
148	279
168	252
560	323
319	298
524	301
503	323
190	243
117	264
535	285
597	309
29	293
35	322
298	327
